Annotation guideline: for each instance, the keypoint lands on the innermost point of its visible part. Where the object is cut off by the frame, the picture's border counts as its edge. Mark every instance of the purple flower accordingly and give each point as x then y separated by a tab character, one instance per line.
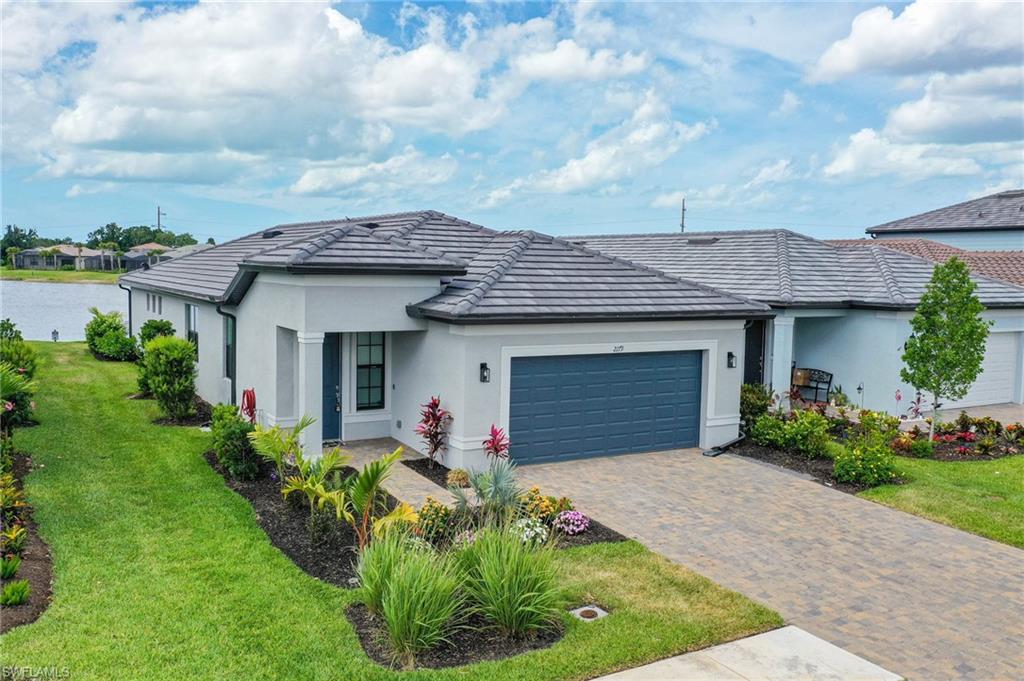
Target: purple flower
571	522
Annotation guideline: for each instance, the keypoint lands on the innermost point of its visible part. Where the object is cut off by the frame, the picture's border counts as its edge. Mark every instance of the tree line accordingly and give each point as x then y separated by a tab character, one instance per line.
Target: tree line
110	236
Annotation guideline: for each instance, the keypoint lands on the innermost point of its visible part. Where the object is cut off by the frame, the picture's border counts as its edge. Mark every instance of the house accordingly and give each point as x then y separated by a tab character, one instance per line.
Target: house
153	253
358	322
994	222
60	256
844	310
1005	265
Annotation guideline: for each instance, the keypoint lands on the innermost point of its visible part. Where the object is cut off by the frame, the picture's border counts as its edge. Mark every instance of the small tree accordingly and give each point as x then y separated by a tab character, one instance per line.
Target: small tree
943	355
171	372
433	427
12	255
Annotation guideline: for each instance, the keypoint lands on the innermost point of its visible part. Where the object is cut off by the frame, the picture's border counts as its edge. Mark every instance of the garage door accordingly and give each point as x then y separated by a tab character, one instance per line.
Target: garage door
577	406
998	371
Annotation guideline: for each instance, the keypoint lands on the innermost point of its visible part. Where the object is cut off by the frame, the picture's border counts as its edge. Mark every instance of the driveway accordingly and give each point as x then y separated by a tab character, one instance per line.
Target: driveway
916	597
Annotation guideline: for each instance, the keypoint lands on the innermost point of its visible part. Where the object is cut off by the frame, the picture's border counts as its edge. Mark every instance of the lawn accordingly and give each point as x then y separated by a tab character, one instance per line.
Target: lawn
984	497
161	572
60	276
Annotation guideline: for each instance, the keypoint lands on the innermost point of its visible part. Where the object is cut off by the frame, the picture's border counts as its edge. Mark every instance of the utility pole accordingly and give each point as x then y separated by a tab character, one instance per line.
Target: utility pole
682	216
159	213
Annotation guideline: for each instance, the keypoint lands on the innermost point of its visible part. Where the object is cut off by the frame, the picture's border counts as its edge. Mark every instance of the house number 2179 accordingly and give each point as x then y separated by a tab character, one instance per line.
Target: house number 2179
618	348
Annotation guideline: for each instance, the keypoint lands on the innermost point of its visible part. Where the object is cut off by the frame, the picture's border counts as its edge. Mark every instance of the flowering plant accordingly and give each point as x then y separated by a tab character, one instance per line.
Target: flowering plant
967	436
433	427
538	506
571	522
463	539
497	444
963	451
530	530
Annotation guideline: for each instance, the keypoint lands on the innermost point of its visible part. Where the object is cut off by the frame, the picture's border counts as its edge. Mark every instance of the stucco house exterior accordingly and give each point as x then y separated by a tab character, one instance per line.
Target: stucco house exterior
991	223
357	322
843	309
61	255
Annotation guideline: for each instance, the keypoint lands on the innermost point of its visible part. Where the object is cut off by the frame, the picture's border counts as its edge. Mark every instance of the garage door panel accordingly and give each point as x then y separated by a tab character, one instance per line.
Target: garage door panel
594	405
998	371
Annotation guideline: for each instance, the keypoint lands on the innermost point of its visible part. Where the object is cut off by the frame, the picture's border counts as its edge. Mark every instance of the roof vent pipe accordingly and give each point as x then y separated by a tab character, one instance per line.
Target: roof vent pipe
682	216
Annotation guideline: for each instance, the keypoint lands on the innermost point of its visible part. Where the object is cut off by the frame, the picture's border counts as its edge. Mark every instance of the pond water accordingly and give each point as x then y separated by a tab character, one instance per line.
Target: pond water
40	307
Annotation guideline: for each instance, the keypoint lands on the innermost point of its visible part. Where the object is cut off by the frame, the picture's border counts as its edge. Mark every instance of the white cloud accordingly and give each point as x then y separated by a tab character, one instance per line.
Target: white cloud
869	154
780	171
926	37
91	188
646	139
754	192
789	104
410	168
978	106
571	61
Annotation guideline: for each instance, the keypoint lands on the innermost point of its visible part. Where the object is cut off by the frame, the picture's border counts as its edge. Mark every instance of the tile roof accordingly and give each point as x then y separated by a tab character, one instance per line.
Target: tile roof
786	269
1004	210
499	276
1005	265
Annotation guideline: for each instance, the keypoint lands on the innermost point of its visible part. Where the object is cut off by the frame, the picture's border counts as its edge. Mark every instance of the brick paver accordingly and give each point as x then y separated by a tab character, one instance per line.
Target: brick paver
918	598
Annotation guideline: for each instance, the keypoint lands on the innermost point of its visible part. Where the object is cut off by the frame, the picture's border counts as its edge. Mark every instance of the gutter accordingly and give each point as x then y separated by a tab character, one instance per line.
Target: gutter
124	288
234	349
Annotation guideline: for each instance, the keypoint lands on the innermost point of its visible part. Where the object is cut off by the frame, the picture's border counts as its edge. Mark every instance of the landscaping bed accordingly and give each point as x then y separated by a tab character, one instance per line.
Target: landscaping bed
36	563
201	415
820	469
473	641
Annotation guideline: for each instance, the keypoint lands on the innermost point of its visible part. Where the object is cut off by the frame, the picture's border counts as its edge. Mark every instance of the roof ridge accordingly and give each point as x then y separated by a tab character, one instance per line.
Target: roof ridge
404	231
892	284
496	272
316	245
785	271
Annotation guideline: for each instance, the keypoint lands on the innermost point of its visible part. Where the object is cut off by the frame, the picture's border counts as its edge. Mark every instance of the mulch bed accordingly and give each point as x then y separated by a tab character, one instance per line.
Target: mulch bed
819	469
595	534
36	566
475	642
330	556
946	451
201	416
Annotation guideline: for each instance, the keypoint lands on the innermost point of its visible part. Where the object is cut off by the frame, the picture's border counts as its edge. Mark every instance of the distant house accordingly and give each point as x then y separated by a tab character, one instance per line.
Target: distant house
994	222
61	256
154	253
1005	265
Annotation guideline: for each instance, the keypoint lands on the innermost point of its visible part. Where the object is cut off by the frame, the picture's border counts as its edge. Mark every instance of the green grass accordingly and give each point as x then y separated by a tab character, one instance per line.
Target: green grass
984	497
60	276
161	572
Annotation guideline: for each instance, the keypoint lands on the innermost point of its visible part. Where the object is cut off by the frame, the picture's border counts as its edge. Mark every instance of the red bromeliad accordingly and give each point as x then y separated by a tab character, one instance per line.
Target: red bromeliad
433	427
497	444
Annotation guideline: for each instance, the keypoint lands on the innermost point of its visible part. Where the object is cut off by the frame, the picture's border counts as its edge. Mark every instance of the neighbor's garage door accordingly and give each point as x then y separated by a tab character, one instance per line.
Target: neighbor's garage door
575	406
998	371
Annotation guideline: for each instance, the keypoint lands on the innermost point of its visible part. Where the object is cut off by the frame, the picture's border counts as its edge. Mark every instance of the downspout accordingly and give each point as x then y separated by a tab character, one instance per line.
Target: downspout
234	349
124	288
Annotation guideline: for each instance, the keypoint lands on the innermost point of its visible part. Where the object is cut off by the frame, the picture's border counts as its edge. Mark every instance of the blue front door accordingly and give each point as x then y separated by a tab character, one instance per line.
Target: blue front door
577	406
332	387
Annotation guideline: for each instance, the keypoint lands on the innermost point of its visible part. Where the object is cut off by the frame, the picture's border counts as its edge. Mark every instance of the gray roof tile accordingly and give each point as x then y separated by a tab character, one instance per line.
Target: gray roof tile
1004	210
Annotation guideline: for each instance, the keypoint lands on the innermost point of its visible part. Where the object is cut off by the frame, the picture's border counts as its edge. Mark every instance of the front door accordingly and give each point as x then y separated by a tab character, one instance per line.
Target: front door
753	362
332	387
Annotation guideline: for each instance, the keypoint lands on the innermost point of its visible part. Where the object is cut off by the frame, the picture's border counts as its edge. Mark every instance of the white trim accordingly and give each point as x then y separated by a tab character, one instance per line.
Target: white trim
708	346
465	443
532	329
723	420
311	337
785	321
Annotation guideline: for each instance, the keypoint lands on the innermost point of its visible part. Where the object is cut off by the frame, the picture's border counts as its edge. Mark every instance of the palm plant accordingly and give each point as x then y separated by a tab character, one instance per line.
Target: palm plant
312	475
495	492
364	502
279	446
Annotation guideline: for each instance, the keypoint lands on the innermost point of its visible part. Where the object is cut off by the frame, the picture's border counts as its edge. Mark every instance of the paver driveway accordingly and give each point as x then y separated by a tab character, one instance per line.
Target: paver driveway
916	597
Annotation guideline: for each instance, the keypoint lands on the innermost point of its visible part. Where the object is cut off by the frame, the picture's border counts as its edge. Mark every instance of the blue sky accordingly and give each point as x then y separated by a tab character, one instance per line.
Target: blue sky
566	118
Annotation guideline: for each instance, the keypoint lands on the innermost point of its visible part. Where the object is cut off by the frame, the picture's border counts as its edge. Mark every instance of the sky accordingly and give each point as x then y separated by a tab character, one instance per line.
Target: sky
565	118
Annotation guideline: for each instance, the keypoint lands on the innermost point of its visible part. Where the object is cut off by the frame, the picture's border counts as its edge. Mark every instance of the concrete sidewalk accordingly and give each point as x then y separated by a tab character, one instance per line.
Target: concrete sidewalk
786	654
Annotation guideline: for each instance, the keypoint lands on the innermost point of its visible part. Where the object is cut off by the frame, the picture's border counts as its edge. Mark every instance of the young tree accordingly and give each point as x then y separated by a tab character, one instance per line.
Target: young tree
943	355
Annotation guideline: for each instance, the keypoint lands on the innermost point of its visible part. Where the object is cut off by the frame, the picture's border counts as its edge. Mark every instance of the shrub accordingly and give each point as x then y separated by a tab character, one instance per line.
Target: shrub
495	492
457	477
986	445
513	583
865	465
433	427
107	337
496	445
16	396
434	520
922	449
9	330
153	328
6	453
171	370
530	529
19	355
571	523
12	540
769	431
15	593
311	479
876	427
419	603
755	400
806	432
538	506
9	567
231	443
12	500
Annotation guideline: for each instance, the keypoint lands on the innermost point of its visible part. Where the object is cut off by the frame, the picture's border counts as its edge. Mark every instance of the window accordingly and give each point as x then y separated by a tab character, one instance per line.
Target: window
229	348
159	305
148	303
192	324
369	371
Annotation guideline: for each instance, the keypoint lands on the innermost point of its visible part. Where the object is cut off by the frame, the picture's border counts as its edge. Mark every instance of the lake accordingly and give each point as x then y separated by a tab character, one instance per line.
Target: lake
40	307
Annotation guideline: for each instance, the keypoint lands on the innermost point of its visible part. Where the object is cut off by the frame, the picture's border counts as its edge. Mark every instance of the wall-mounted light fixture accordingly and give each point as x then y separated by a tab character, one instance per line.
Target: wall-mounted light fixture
730	360
485	373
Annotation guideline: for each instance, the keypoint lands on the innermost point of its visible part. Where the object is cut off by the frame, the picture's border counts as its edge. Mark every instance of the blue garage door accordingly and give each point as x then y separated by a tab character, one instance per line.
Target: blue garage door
577	406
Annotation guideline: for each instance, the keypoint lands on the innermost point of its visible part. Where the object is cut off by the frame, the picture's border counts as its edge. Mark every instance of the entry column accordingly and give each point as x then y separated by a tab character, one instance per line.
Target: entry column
782	357
311	379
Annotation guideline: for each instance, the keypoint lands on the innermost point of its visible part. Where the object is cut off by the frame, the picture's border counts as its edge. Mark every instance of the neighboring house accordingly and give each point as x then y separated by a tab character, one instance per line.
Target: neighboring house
843	310
58	256
994	222
1005	265
358	322
153	253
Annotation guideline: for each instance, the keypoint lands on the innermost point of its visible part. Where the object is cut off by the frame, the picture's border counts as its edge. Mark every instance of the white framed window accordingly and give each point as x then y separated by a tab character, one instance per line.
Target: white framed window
370	349
160	305
192	324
